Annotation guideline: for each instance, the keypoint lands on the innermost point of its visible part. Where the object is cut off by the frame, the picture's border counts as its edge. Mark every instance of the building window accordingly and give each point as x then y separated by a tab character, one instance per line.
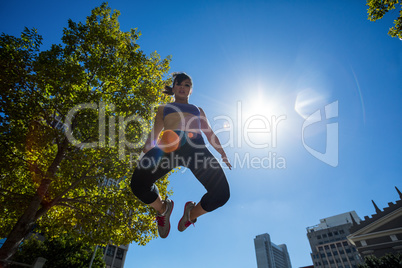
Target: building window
110	250
318	236
119	254
329	234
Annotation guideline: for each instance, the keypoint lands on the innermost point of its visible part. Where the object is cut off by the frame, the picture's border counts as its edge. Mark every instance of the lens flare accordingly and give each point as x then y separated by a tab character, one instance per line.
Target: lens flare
309	100
169	142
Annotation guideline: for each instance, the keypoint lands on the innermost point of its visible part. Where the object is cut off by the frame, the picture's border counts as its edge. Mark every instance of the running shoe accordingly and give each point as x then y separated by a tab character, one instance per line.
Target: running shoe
163	220
185	220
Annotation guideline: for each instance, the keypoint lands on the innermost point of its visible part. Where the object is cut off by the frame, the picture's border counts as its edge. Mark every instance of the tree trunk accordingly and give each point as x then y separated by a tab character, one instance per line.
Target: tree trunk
24	225
33	212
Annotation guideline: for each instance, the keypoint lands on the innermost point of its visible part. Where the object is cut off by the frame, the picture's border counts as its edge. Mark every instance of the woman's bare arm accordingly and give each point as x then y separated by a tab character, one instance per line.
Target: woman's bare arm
212	138
156	130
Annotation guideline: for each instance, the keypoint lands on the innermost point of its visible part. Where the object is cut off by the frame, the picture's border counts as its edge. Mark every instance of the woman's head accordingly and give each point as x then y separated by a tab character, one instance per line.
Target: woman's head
179	79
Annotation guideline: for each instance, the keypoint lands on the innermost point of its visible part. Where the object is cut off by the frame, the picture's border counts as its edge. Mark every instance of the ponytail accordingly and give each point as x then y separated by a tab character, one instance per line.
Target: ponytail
168	90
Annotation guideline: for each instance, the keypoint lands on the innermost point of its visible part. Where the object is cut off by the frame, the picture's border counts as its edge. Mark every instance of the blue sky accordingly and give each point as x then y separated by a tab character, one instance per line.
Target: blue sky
272	59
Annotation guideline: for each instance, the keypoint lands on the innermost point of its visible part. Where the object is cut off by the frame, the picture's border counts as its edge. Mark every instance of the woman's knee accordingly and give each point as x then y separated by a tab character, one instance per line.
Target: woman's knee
135	187
223	198
146	193
138	183
219	197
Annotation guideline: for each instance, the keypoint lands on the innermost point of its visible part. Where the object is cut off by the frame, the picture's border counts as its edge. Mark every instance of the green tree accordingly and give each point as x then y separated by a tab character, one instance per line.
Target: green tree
378	8
60	252
386	261
67	126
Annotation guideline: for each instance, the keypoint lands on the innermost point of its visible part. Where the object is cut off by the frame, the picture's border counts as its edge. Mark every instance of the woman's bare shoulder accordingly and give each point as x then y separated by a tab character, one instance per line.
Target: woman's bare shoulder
161	107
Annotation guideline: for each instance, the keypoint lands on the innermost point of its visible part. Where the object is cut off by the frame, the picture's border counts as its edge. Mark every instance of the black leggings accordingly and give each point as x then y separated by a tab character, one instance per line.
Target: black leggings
191	154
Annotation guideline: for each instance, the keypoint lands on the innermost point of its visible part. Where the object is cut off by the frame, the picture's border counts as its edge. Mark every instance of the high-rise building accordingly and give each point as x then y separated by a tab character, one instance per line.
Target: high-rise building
329	245
270	255
381	233
115	256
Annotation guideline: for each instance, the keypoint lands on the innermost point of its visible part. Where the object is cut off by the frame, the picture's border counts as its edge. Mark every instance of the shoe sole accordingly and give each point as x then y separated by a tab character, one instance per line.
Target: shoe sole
169	221
185	206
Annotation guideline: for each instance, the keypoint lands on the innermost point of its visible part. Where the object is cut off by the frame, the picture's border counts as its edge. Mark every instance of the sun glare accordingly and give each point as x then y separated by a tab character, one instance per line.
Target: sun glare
264	106
264	117
308	101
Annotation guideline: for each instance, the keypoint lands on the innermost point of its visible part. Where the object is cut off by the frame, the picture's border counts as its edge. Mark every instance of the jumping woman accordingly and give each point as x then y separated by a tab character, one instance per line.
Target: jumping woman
181	144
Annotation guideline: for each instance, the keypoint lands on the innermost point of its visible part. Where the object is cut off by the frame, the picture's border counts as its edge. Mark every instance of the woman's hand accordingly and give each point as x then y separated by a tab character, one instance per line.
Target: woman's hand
212	138
226	161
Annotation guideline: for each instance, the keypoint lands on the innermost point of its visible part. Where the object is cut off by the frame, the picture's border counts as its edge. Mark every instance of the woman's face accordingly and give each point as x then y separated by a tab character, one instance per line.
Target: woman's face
183	90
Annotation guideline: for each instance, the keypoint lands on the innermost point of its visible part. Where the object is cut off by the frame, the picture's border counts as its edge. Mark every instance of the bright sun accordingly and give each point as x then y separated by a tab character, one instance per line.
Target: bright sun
264	117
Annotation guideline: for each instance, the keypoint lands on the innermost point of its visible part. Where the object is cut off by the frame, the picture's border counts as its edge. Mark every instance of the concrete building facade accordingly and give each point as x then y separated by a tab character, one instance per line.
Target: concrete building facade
270	255
115	256
329	244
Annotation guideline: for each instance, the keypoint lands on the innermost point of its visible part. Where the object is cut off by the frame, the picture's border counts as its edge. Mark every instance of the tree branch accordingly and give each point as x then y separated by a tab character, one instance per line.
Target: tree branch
72	186
15	195
32	166
75	200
